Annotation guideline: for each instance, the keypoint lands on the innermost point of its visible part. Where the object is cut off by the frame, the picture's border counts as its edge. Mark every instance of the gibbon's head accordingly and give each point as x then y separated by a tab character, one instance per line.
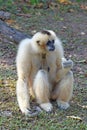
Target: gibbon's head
44	41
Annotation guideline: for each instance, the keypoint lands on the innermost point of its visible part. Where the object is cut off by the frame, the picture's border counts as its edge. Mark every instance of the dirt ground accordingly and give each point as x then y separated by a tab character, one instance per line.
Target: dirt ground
71	27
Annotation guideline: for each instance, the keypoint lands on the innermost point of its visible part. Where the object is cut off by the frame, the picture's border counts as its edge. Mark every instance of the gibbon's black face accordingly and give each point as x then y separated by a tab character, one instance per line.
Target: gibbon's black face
50	45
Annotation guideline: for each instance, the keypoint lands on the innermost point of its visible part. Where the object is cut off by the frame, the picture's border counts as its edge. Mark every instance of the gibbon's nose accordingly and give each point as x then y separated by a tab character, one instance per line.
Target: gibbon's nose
52	48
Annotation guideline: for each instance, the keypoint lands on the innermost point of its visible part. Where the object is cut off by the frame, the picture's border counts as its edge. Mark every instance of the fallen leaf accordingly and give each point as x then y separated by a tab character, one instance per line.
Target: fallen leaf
10	21
85	74
40	5
71	10
64	1
84	7
25	15
81	61
53	5
75	117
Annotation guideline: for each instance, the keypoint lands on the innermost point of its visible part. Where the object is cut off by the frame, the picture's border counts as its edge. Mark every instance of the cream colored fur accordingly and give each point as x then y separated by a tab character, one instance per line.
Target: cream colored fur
56	84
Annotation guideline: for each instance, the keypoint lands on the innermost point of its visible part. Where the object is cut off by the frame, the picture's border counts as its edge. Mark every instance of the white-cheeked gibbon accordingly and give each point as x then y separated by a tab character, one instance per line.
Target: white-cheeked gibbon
43	72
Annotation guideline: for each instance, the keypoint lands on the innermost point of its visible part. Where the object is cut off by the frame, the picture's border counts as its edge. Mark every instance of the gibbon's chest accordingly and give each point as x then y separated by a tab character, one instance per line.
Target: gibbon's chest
46	62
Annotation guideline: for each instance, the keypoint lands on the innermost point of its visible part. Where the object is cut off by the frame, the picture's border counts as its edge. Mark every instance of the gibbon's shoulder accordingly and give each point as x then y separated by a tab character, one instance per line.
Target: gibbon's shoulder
25	42
59	48
58	44
24	45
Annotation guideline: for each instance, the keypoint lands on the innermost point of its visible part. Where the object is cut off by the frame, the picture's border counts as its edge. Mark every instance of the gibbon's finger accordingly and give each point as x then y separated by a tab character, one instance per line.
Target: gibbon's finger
34	112
68	63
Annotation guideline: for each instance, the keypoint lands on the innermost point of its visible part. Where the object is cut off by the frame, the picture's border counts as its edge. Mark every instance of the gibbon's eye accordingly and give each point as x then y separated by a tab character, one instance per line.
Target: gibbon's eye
53	41
48	43
38	42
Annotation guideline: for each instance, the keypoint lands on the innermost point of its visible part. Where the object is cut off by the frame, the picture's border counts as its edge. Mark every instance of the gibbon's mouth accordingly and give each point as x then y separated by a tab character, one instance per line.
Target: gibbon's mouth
51	48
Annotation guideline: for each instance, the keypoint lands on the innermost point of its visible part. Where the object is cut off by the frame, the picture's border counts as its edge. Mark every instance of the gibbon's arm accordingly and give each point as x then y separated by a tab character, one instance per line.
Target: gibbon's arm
23	62
63	65
23	59
66	67
59	53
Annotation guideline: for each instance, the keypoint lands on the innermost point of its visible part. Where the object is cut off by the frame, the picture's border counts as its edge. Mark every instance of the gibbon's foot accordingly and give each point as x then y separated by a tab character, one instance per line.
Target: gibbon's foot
63	105
47	107
33	112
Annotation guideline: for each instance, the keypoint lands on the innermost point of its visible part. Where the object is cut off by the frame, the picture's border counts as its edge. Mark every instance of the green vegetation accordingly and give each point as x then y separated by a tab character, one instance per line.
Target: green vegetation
34	1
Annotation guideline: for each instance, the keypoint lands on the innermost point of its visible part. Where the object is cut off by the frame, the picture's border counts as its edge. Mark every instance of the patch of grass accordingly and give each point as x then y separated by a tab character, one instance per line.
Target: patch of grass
21	122
69	8
7	73
7	5
34	1
81	0
25	9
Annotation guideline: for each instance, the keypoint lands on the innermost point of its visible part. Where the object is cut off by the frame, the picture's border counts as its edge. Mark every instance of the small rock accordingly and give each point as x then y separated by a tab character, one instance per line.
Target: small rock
6	113
4	15
82	33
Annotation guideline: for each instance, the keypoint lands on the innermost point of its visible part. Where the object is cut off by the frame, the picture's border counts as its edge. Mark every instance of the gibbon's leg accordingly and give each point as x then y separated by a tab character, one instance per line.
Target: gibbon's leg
42	90
63	91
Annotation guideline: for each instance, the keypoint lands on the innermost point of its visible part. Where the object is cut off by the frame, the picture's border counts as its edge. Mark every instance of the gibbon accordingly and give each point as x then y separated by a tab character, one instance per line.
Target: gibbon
43	72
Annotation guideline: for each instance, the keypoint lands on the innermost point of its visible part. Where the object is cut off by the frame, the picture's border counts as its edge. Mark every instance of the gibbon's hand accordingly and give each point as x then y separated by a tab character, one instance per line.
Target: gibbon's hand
68	64
34	112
